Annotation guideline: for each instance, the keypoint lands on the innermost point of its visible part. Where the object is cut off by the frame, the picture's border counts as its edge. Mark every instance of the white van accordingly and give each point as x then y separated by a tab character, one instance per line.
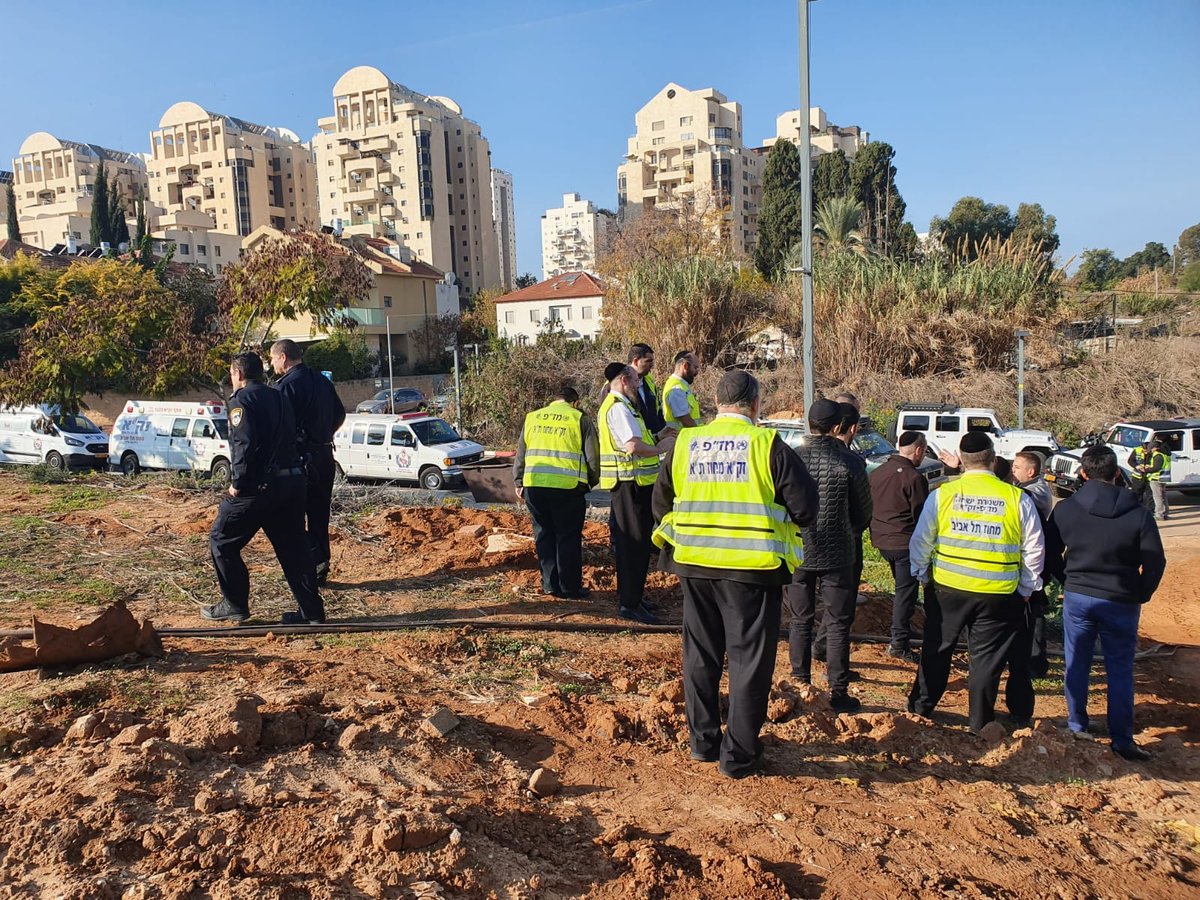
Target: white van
187	437
411	447
37	434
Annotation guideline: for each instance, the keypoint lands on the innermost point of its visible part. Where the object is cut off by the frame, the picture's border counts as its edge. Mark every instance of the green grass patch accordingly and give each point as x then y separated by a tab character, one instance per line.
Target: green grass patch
93	592
26	523
77	498
877	571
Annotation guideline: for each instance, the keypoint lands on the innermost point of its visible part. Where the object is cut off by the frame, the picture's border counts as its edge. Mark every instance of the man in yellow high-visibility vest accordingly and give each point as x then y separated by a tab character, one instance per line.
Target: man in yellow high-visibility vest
681	406
558	461
729	500
628	468
979	545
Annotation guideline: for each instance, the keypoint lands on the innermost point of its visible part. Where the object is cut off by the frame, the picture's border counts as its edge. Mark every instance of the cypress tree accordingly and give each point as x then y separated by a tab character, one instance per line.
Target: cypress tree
14	228
831	177
139	211
119	228
780	213
101	224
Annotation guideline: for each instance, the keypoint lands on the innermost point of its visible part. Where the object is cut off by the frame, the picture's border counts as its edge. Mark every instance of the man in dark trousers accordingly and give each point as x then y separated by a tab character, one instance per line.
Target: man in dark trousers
728	502
266	492
558	461
898	493
1104	546
979	543
829	555
318	412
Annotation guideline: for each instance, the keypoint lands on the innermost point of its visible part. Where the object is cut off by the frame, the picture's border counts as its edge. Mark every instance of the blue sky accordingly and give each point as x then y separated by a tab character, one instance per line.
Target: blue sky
1091	108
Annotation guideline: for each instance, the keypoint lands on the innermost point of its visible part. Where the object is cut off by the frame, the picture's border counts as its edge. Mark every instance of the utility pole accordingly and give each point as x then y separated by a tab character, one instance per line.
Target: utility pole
806	220
1021	334
391	381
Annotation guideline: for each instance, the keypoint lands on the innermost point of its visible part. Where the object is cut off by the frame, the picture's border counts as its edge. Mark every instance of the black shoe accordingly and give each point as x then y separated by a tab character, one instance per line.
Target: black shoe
711	757
581	594
1131	752
844	703
852	675
754	767
297	618
1019	722
802	677
639	614
225	612
902	653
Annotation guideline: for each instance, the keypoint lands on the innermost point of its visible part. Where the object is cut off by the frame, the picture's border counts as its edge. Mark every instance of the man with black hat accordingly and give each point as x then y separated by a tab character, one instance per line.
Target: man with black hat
979	546
829	555
628	468
266	493
729	500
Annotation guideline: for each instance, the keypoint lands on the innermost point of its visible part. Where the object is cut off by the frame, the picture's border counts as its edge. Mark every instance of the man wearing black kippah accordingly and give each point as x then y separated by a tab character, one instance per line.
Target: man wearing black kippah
979	545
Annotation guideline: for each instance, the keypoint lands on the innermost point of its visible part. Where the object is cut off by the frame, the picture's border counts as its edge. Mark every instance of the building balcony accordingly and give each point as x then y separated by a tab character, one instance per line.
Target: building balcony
360	195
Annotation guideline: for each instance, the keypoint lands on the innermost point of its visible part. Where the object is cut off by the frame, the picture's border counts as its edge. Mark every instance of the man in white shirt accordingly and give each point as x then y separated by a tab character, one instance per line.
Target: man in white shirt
681	408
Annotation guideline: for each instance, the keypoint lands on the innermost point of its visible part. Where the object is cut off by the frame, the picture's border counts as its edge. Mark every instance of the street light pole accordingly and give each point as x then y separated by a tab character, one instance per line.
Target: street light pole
391	381
806	274
1021	334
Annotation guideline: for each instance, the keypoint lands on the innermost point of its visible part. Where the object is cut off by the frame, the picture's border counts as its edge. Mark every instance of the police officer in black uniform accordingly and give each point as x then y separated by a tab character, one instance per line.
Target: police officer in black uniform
266	492
319	413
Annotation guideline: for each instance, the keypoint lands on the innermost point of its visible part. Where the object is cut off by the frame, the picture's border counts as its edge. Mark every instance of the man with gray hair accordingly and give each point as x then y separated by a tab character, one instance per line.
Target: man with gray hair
978	548
729	501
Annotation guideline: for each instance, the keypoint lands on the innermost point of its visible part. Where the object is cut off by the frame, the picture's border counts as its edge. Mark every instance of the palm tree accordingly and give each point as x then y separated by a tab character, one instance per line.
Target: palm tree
836	225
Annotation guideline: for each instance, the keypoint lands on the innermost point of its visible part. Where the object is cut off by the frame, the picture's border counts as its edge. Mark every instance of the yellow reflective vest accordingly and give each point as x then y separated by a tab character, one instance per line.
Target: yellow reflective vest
725	515
554	447
615	464
693	403
978	545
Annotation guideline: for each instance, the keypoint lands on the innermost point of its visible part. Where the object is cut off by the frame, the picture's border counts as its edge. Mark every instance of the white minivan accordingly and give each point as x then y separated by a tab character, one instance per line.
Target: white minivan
180	436
43	434
412	447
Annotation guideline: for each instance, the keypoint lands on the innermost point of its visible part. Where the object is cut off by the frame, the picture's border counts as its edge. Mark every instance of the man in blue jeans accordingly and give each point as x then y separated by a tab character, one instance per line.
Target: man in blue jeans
1104	547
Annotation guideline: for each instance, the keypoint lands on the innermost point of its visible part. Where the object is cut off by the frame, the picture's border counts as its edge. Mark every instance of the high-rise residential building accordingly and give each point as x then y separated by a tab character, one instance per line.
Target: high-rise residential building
397	164
687	157
825	137
235	174
54	181
575	236
506	226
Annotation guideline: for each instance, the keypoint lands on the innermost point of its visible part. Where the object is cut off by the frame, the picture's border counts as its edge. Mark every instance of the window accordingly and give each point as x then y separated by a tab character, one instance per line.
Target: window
916	423
687	136
1174	440
360	434
202	428
201	251
375	435
179	428
712	117
587	312
657	126
656	141
1125	436
510	318
534	316
685	121
402	437
184	249
560	314
387	302
217	250
948	423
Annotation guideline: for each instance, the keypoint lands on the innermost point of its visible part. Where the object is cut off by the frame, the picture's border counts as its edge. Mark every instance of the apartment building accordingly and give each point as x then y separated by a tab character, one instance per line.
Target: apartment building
229	175
575	236
54	181
506	226
572	301
393	163
825	137
687	156
6	180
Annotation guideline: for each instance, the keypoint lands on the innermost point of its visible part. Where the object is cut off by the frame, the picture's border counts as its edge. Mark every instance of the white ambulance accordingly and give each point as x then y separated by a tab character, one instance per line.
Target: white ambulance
181	436
43	434
411	447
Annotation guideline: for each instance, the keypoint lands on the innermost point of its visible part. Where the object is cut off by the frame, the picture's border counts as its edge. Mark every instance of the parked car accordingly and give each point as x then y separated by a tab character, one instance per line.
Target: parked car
1182	437
869	443
945	424
403	400
409	447
44	434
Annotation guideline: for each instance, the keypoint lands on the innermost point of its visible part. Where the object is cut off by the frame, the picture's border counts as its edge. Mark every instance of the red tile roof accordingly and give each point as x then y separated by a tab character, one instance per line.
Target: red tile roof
391	265
561	287
9	250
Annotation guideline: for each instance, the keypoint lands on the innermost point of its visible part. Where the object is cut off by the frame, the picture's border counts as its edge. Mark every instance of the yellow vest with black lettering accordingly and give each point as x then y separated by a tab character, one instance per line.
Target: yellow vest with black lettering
615	464
693	404
725	515
1164	471
554	447
978	545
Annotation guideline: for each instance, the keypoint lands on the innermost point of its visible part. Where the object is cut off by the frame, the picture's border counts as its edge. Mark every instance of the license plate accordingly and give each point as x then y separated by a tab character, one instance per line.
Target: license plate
100	455
1050	477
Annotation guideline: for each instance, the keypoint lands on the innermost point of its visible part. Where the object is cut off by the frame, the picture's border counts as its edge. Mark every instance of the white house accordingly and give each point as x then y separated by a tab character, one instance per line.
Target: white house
572	300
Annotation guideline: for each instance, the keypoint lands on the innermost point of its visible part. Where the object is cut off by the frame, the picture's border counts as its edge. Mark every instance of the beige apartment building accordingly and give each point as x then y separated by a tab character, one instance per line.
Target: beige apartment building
396	164
574	236
687	156
6	180
505	223
824	136
54	181
232	174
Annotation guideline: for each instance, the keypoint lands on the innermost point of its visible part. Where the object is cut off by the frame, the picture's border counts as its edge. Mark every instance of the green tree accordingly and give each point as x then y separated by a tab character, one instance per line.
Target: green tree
101	224
1153	256
119	227
1188	247
526	280
343	353
1189	278
836	225
969	224
831	177
1033	225
10	202
873	184
781	211
16	312
1099	269
139	213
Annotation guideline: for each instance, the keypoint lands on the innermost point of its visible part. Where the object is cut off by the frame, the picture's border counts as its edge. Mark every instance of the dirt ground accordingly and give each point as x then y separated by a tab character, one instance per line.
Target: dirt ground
305	766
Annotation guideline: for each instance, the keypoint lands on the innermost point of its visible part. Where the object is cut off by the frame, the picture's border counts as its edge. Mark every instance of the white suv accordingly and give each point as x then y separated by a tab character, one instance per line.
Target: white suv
1182	437
945	424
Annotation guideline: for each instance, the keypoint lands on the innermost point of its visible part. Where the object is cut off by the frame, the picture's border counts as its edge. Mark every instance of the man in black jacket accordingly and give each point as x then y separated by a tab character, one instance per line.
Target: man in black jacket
318	412
266	492
1105	549
829	555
